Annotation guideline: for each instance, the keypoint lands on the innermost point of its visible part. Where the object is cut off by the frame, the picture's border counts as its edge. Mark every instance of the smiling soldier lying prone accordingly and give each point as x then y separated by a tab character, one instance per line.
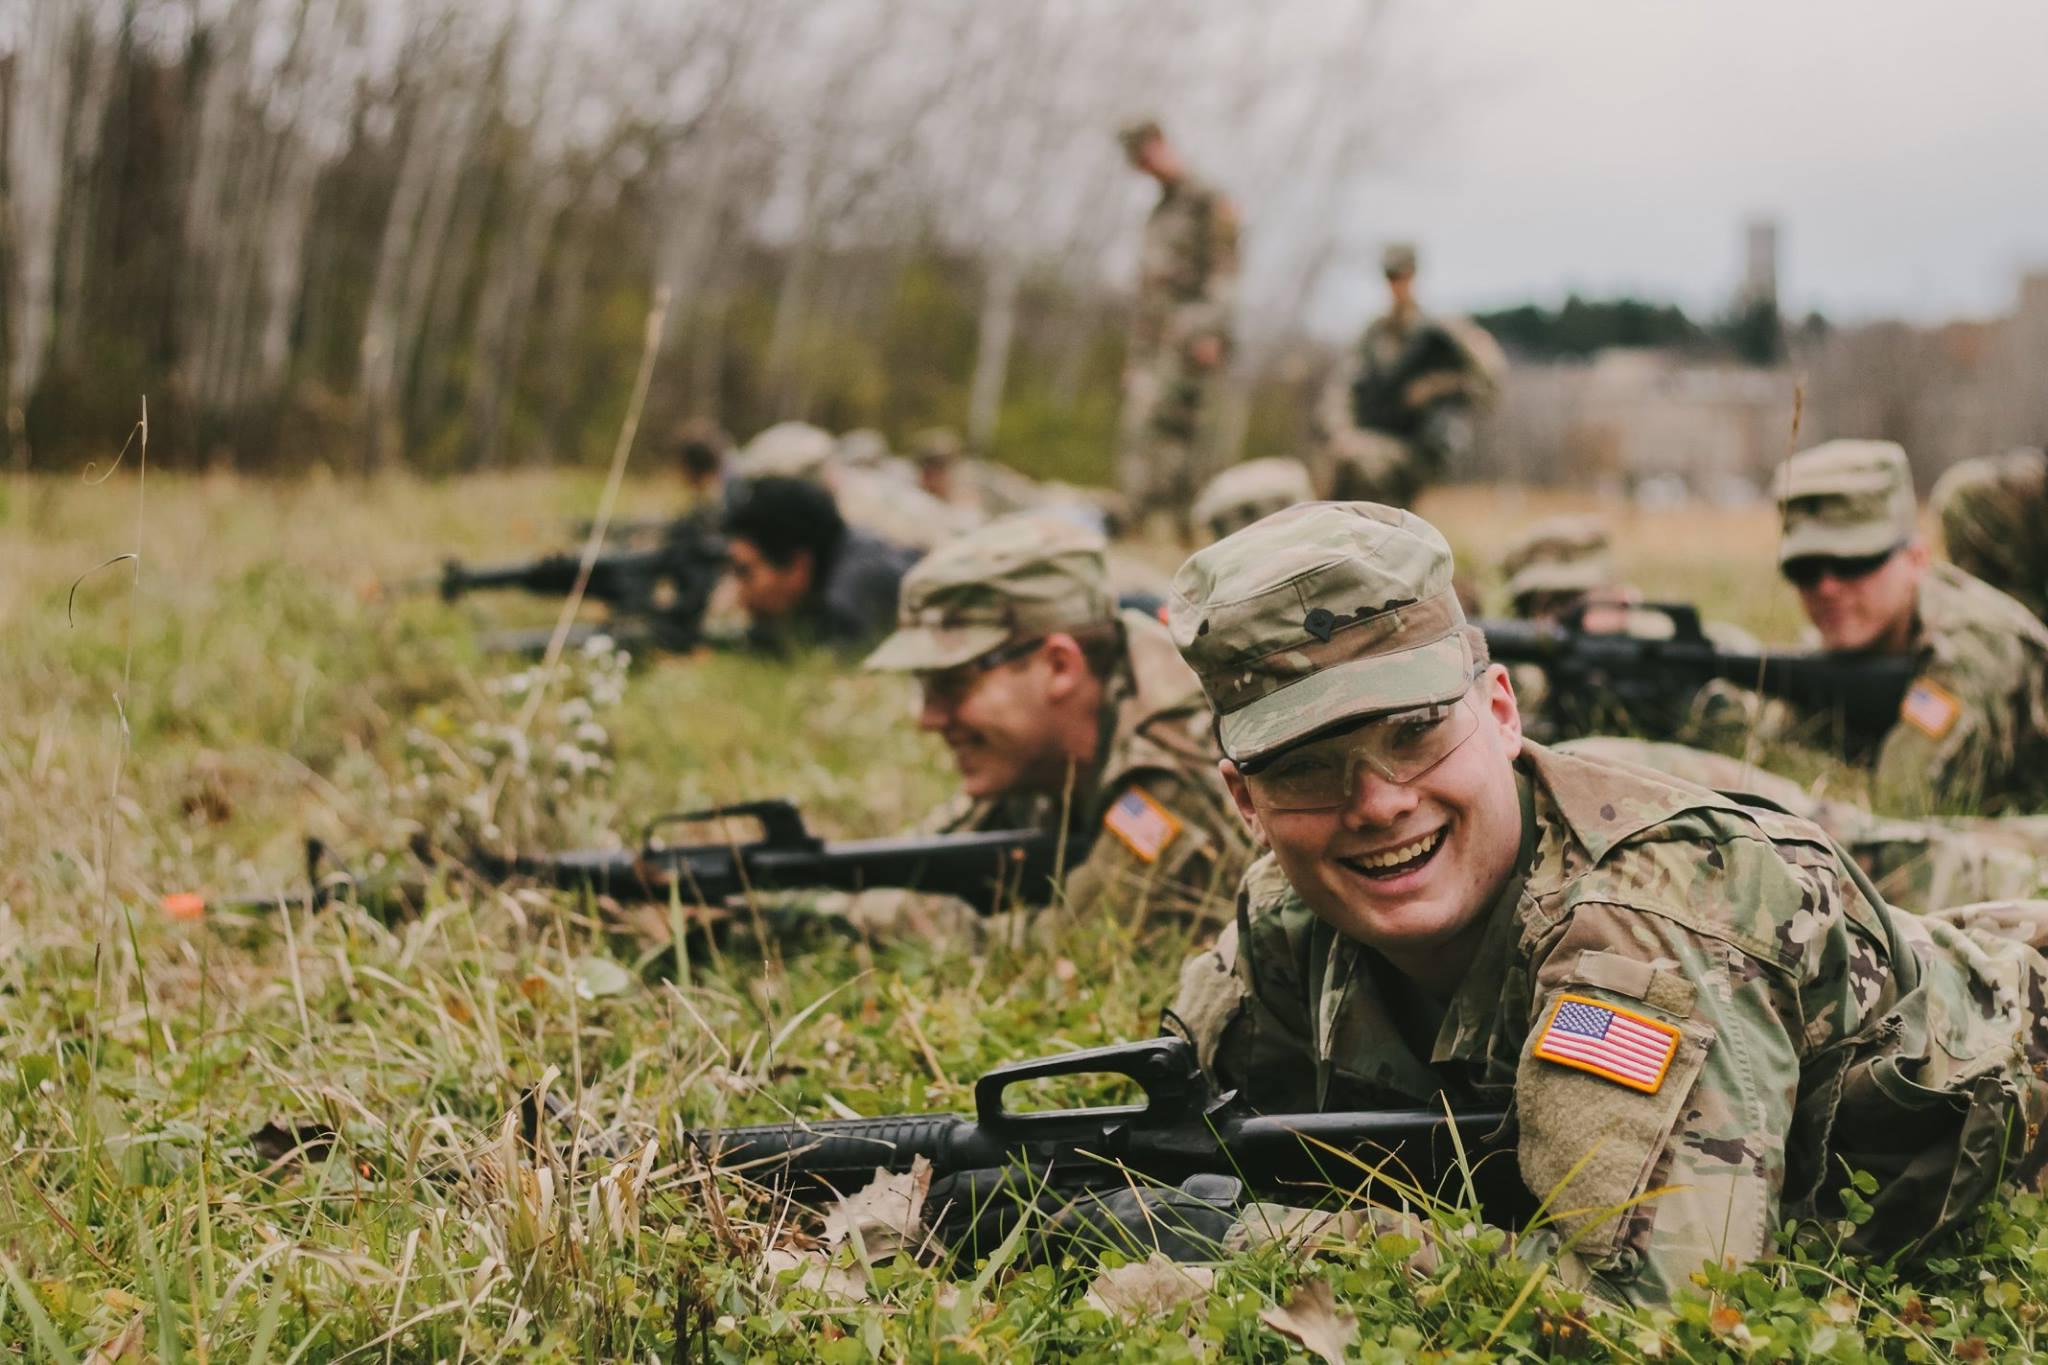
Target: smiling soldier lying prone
1061	713
1685	1000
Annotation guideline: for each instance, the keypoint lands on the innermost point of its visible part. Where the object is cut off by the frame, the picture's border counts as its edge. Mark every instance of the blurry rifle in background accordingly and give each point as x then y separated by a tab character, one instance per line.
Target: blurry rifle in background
1623	683
988	869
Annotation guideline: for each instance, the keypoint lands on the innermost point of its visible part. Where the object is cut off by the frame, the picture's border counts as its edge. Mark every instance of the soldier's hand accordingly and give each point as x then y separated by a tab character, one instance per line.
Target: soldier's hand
1184	1224
974	1211
1205	352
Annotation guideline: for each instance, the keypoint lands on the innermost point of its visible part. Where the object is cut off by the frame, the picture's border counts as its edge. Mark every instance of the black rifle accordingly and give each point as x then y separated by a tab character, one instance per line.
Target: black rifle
1379	397
662	592
989	869
1185	1127
1604	683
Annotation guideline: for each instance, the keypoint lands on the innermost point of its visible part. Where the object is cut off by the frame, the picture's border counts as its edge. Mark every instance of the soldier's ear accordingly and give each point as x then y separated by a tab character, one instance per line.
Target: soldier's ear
1068	662
1502	708
1241	796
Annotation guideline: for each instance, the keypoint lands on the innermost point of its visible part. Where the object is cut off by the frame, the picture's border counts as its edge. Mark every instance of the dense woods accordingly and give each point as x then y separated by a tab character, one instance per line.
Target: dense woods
366	232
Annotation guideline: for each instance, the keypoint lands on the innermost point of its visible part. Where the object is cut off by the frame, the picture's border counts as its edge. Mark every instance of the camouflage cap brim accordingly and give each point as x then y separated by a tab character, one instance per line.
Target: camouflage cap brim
1856	540
1581	576
1439	671
929	649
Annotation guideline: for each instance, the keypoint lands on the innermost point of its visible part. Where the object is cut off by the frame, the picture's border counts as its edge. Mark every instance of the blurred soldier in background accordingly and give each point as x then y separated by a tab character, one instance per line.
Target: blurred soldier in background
1180	330
1994	521
1564	565
802	575
1972	733
1408	405
894	509
1244	493
1062	712
981	488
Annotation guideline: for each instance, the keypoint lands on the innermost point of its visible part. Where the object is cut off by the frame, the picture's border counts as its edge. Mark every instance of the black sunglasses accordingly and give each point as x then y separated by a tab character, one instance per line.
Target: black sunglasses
1808	570
949	685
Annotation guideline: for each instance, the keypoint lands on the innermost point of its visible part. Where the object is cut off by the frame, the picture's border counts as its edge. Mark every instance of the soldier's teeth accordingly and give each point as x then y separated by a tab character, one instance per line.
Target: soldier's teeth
1395	856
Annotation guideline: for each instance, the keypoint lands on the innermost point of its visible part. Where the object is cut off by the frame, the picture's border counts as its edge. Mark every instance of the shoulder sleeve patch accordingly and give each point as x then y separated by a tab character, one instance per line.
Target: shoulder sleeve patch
1616	1044
1930	708
1144	826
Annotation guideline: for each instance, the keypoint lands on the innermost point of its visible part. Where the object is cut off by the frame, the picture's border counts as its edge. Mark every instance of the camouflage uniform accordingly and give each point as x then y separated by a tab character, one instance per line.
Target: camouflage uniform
1187	286
1918	865
1973	728
1404	409
1793	1022
1993	513
1157	823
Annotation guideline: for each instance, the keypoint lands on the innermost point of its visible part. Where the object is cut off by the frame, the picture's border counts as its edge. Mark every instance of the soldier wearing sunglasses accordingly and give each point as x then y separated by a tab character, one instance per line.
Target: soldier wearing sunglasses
1062	712
1972	733
1699	1013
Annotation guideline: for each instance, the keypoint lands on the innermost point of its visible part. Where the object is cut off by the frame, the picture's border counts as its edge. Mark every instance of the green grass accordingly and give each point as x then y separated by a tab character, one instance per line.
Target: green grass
159	1073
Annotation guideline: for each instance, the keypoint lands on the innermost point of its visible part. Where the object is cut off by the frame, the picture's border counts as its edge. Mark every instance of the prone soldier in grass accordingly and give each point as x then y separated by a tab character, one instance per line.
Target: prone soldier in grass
1994	523
1699	1013
1972	733
1063	712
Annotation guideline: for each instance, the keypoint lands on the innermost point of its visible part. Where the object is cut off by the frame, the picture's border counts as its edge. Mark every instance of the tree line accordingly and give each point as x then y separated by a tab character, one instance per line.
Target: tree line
425	233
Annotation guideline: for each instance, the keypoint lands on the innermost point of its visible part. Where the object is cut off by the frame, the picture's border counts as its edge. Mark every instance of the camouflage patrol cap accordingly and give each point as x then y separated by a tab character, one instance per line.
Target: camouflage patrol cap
1846	499
1398	258
788	450
1243	493
937	445
1136	134
1558	554
863	448
1317	615
1022	575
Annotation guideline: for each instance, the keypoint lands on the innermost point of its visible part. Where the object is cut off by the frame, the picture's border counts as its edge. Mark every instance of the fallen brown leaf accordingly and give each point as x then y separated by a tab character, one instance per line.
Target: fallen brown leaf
819	1274
1311	1317
886	1214
121	1348
1152	1286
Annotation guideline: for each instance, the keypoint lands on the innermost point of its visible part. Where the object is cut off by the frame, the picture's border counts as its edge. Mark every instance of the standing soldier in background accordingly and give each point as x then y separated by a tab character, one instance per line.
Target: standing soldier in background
1994	521
1180	331
1408	405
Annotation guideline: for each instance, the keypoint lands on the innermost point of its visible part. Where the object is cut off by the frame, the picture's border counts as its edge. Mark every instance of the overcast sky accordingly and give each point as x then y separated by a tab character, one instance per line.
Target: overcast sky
1611	145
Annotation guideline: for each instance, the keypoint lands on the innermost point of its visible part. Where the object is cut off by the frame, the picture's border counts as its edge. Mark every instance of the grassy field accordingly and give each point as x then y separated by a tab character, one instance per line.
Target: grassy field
293	1136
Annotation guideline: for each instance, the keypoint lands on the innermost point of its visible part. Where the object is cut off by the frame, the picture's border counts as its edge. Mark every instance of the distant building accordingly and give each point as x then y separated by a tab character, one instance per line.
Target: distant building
1760	265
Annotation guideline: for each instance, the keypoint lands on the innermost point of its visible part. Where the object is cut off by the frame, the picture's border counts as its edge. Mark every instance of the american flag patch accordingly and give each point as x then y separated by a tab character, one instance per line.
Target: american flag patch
1145	826
1623	1047
1930	709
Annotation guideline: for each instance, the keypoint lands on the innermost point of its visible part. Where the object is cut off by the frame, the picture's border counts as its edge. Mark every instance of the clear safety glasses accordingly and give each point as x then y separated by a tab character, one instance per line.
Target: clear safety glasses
1326	772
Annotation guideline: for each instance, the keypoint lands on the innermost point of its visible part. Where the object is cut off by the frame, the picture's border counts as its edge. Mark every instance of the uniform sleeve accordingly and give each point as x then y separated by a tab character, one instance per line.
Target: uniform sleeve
1952	749
1655	1094
1157	850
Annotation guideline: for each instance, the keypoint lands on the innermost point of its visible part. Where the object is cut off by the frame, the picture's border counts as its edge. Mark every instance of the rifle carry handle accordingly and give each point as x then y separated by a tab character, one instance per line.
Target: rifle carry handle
1175	1089
782	824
